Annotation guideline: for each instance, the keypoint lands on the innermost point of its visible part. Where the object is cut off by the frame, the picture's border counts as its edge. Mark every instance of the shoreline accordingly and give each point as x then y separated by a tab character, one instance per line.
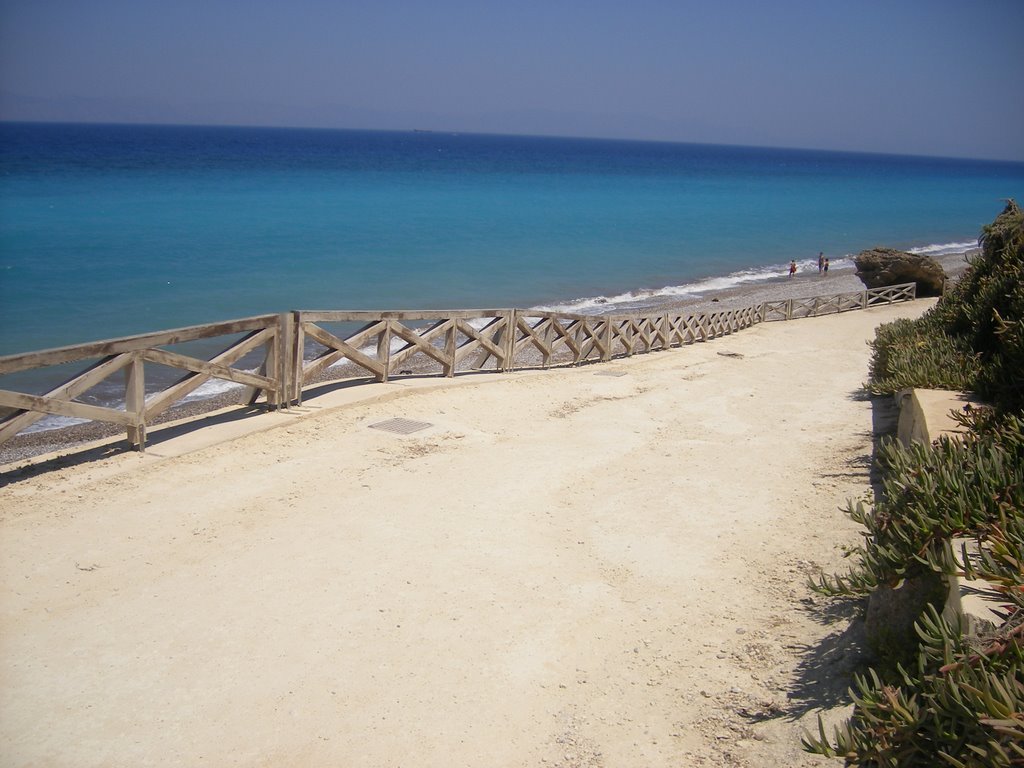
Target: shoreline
803	285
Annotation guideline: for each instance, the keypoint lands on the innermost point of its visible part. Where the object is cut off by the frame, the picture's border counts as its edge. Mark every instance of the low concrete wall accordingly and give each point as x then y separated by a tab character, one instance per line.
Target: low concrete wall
926	415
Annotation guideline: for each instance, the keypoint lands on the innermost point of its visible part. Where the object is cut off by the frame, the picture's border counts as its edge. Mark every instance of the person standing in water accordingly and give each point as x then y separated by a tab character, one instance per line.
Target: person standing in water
792	267
821	262
826	266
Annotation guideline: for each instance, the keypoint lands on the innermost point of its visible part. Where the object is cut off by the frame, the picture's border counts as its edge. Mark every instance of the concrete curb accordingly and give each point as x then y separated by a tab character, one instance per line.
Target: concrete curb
925	416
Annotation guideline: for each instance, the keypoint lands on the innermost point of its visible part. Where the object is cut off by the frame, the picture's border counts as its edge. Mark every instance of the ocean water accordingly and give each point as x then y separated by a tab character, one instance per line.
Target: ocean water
108	230
113	230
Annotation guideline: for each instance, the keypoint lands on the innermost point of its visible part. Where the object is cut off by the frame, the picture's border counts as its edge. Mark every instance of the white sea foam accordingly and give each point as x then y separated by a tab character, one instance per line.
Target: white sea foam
48	423
212	388
694	290
698	288
945	249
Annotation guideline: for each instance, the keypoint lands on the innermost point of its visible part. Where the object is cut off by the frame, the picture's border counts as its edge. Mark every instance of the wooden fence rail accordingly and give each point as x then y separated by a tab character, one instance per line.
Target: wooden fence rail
293	349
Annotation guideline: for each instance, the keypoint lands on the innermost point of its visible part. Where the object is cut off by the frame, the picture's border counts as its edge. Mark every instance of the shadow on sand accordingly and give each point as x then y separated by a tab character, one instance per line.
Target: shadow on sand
825	671
115	446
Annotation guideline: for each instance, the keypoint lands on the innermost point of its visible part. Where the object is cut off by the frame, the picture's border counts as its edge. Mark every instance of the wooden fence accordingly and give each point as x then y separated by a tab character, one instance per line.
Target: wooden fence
513	338
789	309
104	359
294	349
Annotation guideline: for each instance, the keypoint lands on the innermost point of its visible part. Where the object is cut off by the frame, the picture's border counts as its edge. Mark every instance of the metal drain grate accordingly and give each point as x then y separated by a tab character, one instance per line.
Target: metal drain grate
401	426
610	373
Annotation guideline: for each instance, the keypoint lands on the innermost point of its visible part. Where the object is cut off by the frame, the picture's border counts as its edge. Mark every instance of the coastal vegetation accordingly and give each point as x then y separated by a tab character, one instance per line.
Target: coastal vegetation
954	695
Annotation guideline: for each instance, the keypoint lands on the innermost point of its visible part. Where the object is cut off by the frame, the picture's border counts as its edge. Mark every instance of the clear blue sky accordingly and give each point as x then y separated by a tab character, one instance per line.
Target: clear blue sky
939	77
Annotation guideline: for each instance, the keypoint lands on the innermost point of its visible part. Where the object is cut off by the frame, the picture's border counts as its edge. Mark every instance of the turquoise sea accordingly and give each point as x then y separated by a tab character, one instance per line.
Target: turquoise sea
113	230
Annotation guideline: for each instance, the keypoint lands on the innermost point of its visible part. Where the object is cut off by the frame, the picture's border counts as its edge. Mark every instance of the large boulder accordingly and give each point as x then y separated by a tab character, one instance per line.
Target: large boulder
879	267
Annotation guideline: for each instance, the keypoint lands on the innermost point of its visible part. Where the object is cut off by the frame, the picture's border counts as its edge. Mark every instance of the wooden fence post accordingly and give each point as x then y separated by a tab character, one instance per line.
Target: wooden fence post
580	330
384	352
277	363
511	331
450	346
135	400
285	337
269	368
607	354
298	343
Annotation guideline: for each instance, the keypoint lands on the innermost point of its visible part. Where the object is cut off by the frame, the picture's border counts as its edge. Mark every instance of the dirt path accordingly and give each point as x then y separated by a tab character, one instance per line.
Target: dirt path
567	568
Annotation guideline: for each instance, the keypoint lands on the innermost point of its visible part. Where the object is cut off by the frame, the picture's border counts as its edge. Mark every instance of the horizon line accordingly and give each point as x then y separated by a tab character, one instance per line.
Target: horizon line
457	132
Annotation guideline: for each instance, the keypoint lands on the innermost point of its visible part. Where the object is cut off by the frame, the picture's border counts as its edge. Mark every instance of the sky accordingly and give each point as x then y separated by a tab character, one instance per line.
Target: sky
929	77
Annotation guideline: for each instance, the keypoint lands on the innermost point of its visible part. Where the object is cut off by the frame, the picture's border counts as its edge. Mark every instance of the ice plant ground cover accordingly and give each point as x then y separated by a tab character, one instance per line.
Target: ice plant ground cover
957	698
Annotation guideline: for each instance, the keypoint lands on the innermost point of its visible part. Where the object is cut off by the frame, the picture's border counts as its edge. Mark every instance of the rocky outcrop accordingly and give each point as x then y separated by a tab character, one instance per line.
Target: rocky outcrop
879	267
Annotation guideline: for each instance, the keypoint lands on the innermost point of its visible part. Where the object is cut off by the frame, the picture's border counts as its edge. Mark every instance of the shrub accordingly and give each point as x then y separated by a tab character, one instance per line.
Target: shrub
919	353
986	310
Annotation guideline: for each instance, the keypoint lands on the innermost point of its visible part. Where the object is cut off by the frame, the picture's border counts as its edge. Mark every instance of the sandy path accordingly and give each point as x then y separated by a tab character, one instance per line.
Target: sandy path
568	568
